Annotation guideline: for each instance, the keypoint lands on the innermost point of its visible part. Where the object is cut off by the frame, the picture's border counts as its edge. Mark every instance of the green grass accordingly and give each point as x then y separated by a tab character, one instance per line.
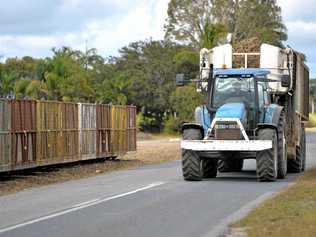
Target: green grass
292	213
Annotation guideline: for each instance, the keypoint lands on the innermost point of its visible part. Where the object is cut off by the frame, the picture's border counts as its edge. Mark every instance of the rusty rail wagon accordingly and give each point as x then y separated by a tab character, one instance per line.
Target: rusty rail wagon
39	133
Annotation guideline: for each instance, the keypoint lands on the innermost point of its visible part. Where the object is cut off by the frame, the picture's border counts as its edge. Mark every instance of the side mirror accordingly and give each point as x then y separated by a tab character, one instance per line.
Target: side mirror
180	79
286	81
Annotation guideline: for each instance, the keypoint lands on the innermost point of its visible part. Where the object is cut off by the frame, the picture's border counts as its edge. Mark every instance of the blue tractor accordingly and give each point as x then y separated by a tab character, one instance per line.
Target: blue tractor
250	113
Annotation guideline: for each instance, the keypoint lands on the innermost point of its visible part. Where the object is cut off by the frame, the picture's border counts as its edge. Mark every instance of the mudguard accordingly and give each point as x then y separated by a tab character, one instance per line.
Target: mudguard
192	126
272	114
203	118
271	117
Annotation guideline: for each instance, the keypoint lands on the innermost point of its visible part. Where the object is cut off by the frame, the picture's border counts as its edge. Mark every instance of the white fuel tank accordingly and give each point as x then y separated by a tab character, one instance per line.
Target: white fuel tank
275	60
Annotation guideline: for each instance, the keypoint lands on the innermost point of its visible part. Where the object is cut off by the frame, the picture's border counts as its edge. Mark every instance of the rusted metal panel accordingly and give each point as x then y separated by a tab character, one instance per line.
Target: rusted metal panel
103	130
23	116
87	131
57	134
5	135
69	139
23	134
48	132
131	128
36	133
68	142
118	130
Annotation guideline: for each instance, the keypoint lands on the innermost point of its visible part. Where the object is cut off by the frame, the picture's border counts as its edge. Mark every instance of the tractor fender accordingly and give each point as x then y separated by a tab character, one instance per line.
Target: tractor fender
193	126
266	125
271	118
272	114
203	117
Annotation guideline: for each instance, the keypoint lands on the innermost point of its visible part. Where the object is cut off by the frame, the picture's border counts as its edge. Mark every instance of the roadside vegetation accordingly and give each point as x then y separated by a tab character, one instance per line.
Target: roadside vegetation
312	122
291	213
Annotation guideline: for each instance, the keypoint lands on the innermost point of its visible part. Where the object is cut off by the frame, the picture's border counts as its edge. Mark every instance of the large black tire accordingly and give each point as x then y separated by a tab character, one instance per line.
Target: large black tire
191	162
282	148
298	164
267	160
303	144
230	165
209	167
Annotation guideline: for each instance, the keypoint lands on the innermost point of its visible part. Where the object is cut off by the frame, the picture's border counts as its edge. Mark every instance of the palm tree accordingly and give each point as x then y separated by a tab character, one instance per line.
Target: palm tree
33	89
6	84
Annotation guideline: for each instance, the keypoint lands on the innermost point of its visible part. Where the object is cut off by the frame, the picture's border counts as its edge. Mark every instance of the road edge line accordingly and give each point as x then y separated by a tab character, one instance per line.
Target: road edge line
222	228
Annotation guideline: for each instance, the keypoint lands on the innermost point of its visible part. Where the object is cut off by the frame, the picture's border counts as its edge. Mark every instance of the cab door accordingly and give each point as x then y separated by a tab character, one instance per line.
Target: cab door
262	101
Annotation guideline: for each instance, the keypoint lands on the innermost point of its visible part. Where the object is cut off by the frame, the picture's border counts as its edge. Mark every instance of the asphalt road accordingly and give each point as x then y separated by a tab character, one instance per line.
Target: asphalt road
150	201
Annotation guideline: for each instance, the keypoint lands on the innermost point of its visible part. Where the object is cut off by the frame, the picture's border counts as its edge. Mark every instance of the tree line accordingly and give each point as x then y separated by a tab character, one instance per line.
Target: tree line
144	72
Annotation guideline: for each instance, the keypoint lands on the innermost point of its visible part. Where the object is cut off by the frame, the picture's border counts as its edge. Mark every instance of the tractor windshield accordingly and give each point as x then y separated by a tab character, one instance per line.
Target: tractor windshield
233	90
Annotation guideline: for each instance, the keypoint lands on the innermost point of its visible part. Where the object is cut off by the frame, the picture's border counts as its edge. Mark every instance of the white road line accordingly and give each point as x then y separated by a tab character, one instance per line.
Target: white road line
79	207
85	203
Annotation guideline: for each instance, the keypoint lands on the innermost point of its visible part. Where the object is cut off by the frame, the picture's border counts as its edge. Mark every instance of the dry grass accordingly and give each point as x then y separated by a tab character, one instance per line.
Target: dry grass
156	136
292	213
149	152
312	121
311	129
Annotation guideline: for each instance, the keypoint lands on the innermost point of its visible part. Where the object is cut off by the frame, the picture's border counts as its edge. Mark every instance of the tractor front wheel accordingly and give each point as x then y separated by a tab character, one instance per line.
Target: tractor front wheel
267	160
191	162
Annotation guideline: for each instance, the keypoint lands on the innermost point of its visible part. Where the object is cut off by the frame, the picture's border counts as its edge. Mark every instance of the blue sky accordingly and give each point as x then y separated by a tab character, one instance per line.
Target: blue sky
33	27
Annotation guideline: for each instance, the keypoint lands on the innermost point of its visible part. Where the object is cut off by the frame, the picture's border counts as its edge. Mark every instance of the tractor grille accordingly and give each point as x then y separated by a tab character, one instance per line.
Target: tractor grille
227	131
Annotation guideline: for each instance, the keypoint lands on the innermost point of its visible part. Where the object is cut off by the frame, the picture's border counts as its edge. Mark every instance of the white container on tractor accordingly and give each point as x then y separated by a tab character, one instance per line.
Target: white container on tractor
250	113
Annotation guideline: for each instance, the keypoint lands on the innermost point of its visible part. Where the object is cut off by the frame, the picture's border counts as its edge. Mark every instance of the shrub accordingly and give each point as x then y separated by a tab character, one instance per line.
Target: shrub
172	125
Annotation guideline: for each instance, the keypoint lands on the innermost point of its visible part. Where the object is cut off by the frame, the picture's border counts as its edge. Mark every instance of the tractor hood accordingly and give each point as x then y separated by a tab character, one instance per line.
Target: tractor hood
232	110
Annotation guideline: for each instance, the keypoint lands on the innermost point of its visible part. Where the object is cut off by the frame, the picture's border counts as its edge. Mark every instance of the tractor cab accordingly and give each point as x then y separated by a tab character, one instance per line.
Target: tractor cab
239	93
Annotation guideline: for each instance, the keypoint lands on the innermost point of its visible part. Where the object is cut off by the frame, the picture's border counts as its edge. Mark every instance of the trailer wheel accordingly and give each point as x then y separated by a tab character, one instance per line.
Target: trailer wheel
267	160
282	148
230	165
303	144
191	162
298	164
209	167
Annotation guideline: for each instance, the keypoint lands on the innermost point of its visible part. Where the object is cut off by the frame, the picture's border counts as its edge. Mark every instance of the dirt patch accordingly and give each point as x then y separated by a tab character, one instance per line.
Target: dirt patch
291	213
148	152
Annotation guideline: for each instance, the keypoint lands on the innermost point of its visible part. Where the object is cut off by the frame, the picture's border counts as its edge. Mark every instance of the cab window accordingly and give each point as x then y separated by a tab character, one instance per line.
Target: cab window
261	96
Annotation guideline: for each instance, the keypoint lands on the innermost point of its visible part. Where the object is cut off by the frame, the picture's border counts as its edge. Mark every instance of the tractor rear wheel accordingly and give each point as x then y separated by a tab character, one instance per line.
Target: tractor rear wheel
303	144
230	165
282	148
267	160
209	167
191	162
298	164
